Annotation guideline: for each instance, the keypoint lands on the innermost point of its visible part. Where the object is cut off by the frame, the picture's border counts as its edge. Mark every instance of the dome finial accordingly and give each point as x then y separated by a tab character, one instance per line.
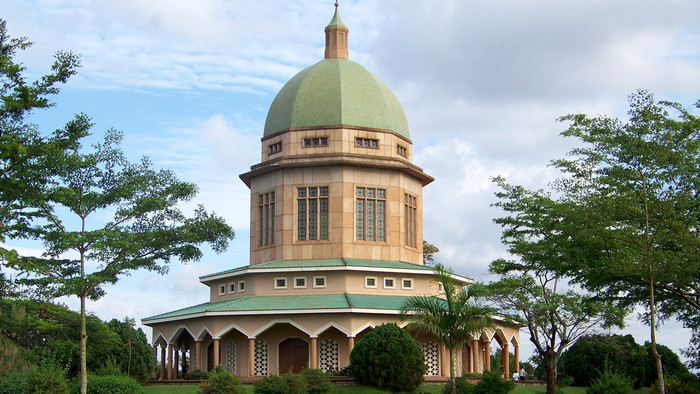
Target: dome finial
336	37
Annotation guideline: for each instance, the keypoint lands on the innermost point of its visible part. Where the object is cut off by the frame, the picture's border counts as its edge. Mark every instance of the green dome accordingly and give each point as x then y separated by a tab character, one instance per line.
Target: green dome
336	92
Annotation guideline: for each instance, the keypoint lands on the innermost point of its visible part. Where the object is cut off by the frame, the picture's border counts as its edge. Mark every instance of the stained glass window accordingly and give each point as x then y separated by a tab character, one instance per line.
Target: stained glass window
370	214
312	212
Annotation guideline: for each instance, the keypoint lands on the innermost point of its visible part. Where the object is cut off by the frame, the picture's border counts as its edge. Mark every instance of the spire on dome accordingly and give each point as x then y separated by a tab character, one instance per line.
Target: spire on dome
336	37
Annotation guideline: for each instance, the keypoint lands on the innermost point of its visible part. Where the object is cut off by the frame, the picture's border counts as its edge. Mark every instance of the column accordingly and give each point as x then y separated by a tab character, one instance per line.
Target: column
314	353
516	351
444	361
475	356
351	345
505	355
170	362
176	364
251	357
162	363
198	354
155	350
487	356
216	353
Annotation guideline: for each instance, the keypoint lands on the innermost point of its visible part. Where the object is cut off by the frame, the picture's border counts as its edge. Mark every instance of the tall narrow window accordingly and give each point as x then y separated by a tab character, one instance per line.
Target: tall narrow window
370	213
410	209
312	212
266	210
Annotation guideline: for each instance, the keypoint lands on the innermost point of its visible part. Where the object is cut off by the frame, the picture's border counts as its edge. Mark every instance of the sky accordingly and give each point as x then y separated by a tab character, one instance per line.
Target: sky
482	84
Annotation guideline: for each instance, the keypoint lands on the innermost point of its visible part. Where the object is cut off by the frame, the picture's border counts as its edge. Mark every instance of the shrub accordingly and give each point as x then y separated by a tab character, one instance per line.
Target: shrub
674	386
222	381
47	377
462	386
493	383
196	374
109	384
317	381
295	383
13	382
610	383
270	385
388	357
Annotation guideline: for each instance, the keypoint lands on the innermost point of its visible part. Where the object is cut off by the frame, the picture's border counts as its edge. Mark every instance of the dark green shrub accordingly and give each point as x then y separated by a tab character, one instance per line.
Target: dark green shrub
317	381
388	357
592	355
196	374
109	384
493	383
222	381
610	383
270	385
462	386
674	386
13	382
47	377
295	383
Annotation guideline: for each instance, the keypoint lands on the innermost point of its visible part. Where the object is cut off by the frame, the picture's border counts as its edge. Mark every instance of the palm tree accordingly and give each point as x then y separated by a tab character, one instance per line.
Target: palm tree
451	319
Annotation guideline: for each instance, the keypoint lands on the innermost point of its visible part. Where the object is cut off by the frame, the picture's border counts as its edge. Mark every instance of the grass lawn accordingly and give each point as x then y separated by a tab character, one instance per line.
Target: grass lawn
432	389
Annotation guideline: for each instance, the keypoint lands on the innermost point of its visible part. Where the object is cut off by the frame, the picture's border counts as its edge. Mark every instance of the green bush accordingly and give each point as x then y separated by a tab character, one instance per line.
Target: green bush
493	383
13	382
388	357
674	386
462	386
317	381
610	383
47	377
295	383
109	384
222	381
270	385
196	374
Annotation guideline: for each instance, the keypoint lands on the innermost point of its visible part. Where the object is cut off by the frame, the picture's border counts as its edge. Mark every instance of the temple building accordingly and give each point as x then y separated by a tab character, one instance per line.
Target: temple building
336	237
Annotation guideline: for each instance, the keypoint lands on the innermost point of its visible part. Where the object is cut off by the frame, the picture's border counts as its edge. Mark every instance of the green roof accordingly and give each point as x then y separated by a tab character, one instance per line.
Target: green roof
288	302
319	263
336	92
336	21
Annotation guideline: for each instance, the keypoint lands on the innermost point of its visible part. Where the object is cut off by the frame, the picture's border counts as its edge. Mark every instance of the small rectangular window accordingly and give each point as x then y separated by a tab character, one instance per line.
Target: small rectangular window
407	283
300	283
440	289
315	142
274	148
389	283
366	143
371	282
232	287
222	289
241	286
319	281
280	283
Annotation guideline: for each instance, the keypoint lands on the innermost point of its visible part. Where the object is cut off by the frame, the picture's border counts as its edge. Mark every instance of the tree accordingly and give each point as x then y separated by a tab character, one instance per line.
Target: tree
451	319
429	251
27	158
634	186
147	229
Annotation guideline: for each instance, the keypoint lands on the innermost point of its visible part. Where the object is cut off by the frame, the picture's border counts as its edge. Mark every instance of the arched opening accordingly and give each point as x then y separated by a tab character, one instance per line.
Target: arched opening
293	355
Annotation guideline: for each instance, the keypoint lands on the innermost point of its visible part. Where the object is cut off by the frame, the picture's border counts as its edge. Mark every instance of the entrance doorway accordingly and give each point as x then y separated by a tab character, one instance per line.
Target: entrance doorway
293	355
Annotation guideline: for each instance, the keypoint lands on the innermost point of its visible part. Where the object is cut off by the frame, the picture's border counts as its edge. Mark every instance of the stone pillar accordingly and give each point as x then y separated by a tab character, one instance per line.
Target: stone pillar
176	365
505	358
516	351
314	353
198	354
162	363
475	356
487	355
216	353
251	357
351	345
444	361
170	362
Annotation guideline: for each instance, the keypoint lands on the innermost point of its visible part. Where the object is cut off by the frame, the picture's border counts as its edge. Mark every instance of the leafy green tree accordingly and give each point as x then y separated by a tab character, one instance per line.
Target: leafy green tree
429	251
634	187
135	354
147	229
27	158
389	358
451	319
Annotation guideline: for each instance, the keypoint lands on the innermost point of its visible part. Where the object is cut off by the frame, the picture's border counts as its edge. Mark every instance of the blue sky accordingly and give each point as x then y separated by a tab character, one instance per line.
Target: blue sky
482	84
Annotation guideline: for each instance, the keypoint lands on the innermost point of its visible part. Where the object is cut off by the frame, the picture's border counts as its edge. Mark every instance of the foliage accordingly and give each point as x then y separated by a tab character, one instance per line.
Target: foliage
674	386
496	360
272	384
110	384
47	376
13	383
196	374
222	381
593	355
136	355
491	383
429	251
452	319
610	383
296	384
672	366
317	381
388	357
462	386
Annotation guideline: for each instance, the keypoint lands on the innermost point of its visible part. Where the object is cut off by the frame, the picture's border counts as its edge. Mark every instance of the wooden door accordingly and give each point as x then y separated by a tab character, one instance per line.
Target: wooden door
293	355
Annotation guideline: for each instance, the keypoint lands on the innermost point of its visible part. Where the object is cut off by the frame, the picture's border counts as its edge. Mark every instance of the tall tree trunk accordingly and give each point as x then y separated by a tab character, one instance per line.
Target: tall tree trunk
453	387
654	352
551	373
83	346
